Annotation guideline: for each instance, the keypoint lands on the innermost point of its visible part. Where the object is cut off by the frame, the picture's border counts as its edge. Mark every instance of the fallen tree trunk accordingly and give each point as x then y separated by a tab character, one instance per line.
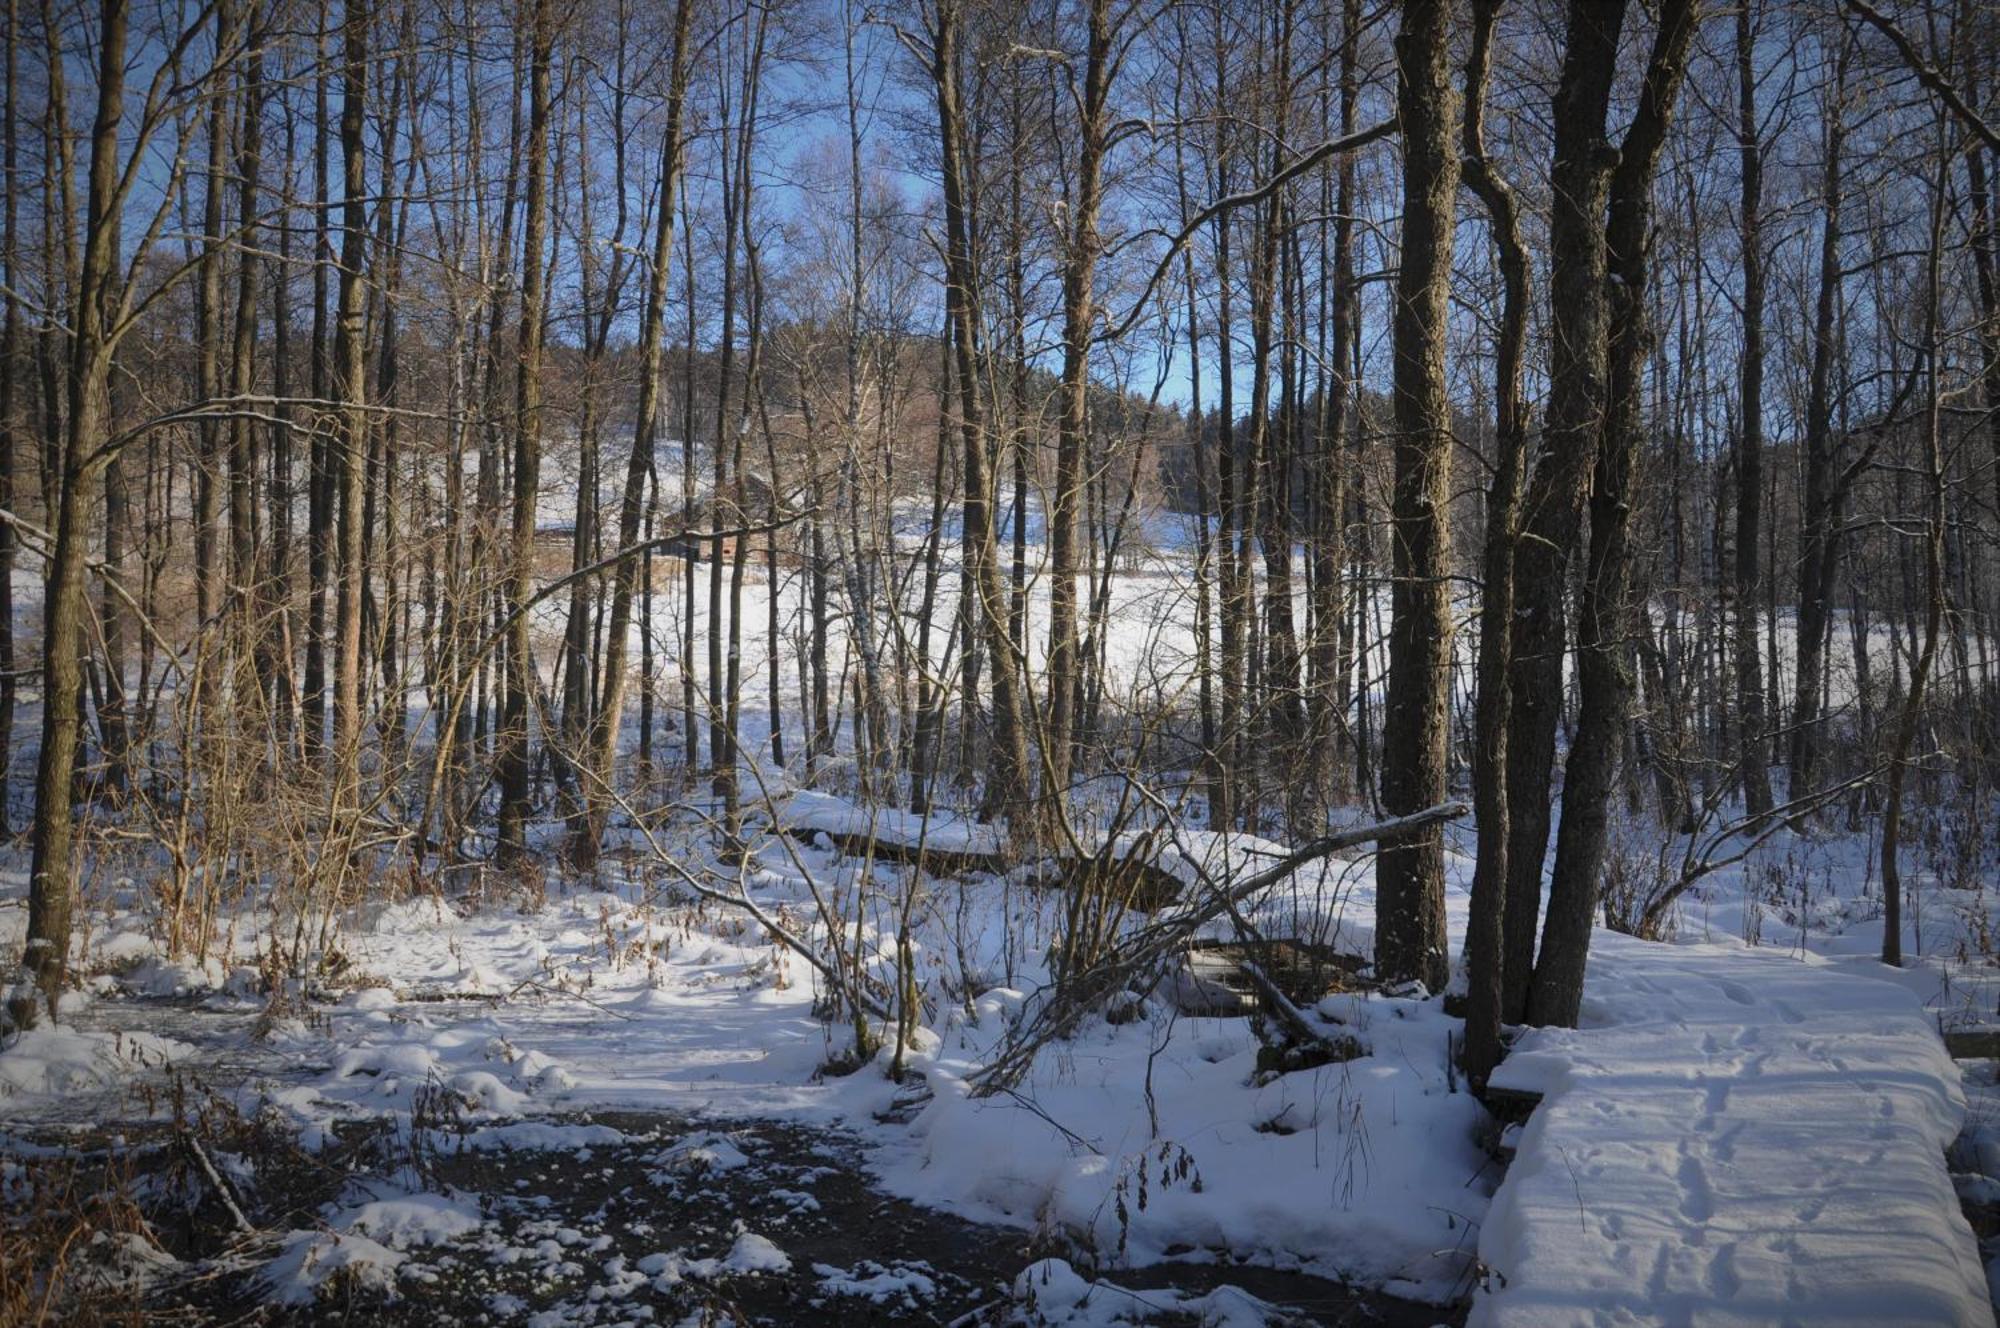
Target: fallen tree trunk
1142	954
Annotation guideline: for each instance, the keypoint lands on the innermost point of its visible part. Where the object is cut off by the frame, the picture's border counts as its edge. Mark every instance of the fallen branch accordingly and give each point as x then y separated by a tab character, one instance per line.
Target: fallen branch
1280	1007
1143	953
216	1182
1695	869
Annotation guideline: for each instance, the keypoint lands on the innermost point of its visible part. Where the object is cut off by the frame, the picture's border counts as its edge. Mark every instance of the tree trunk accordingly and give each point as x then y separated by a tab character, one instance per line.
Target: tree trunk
609	718
52	870
1409	927
1606	685
1911	715
1007	787
517	699
1079	327
10	420
1484	938
1755	767
1331	665
1820	518
244	578
319	481
349	466
1581	177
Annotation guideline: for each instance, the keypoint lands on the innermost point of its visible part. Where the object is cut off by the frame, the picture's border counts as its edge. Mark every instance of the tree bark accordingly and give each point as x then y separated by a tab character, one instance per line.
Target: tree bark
1925	654
517	699
1602	620
1552	510
349	466
1755	762
1082	245
609	718
1007	785
1484	937
10	419
52	870
1409	927
1821	515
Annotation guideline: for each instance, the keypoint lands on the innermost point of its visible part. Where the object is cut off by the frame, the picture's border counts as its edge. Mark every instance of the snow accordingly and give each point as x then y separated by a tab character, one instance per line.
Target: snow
308	1260
52	1061
943	832
703	1151
752	1253
417	1219
1734	1137
749	1254
530	1135
905	1283
1337	1170
155	976
1751	1126
123	1263
1195	858
1051	1292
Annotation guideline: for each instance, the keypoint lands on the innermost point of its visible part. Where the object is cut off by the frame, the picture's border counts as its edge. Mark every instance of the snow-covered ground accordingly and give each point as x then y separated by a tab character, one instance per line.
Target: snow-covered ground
1733	1138
1367	1170
1717	1128
1738	1129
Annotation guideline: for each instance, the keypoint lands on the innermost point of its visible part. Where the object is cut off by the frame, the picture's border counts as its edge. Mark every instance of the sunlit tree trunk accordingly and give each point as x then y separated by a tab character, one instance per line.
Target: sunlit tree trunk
1409	911
518	697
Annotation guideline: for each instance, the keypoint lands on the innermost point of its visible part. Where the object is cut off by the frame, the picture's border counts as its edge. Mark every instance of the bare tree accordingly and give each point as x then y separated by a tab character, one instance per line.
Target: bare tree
519	698
1409	929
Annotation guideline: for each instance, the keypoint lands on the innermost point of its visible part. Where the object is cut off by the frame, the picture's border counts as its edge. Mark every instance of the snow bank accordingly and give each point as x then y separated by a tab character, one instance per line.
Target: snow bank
1736	1138
51	1060
1364	1170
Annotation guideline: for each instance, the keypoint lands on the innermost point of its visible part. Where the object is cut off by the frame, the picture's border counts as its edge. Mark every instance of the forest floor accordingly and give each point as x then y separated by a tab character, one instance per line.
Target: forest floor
616	1104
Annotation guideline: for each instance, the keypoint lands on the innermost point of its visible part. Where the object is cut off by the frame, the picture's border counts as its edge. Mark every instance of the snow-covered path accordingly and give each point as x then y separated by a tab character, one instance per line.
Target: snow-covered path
1735	1137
